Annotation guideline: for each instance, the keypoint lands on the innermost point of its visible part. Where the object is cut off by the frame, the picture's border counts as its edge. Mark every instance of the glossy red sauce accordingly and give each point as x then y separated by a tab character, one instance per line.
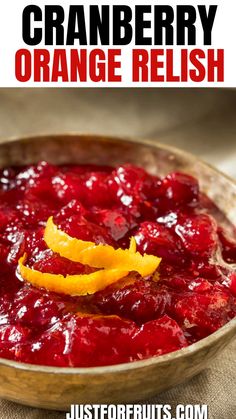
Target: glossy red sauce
131	320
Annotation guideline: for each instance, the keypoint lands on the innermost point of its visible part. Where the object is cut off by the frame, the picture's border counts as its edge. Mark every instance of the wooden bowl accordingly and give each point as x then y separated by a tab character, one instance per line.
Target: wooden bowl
58	388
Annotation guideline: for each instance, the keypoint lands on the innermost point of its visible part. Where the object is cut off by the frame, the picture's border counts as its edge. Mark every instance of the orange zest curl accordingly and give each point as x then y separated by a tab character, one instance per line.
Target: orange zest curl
113	264
70	284
99	256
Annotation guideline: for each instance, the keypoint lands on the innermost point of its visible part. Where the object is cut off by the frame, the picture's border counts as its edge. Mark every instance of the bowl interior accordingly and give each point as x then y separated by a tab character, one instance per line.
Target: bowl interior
159	160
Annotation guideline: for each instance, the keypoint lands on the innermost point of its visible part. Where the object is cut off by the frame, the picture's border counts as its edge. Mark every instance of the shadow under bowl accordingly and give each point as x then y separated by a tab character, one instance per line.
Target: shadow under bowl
58	388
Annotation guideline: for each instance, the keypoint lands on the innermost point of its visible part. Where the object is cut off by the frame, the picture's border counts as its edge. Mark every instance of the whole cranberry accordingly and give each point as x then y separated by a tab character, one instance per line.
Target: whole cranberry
31	176
80	228
12	339
198	234
73	208
90	189
97	190
34	211
133	187
34	308
53	263
140	301
180	189
68	186
116	221
204	313
158	337
156	239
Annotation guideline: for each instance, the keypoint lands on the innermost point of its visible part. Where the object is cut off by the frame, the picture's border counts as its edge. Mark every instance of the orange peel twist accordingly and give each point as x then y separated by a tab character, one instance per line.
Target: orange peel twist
114	264
70	284
99	256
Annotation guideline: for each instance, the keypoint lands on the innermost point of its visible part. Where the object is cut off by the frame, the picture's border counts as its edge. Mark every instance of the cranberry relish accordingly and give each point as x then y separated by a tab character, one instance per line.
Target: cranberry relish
135	318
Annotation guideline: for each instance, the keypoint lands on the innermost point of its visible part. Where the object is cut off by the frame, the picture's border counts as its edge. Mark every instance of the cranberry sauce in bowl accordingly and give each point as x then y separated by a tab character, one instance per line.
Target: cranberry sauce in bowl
190	295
